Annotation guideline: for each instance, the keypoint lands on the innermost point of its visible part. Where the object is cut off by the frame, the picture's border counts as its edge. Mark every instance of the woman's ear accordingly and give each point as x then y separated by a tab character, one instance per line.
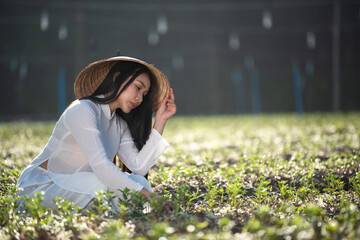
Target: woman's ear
116	74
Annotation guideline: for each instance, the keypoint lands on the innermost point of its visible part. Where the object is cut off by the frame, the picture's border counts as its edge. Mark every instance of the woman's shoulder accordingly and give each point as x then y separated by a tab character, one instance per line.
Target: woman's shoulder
83	104
82	107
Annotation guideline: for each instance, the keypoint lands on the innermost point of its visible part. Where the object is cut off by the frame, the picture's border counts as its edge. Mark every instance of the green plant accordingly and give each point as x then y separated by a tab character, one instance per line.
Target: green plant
212	194
334	183
235	193
355	183
263	189
286	191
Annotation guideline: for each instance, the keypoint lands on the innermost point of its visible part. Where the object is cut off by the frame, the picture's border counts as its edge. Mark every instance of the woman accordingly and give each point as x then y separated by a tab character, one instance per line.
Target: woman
111	116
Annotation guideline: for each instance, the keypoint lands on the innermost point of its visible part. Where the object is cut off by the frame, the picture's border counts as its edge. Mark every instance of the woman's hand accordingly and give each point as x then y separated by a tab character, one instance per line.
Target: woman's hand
166	110
167	207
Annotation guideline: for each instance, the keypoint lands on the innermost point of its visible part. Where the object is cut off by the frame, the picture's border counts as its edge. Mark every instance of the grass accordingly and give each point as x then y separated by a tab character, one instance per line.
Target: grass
229	177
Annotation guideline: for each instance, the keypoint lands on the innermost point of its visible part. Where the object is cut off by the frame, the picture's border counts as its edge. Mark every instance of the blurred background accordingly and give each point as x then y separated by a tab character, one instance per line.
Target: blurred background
221	57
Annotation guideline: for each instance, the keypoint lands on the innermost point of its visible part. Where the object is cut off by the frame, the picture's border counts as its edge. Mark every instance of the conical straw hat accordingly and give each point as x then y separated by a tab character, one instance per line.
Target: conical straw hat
90	78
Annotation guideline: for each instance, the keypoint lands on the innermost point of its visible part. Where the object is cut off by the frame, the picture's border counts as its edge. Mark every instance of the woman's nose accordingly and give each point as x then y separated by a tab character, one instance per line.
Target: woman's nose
139	98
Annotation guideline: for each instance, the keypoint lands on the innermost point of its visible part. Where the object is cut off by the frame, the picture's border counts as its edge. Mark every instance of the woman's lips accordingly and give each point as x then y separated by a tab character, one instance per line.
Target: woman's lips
132	105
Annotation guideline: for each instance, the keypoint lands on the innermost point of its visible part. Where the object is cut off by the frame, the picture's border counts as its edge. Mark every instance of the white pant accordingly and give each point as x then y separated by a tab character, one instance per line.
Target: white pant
51	191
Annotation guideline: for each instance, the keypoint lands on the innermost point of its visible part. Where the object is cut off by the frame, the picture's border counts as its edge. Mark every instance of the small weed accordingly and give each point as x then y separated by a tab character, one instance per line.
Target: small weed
263	190
235	194
286	191
334	183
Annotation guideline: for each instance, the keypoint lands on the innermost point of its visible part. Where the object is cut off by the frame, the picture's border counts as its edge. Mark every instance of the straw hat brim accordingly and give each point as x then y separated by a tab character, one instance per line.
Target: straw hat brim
90	78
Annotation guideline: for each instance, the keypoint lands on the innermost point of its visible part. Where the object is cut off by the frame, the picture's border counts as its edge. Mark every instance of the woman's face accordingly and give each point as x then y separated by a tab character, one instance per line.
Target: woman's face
133	95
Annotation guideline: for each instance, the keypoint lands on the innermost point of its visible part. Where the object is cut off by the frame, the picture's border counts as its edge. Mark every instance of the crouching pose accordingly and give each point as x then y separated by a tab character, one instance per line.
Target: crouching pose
112	116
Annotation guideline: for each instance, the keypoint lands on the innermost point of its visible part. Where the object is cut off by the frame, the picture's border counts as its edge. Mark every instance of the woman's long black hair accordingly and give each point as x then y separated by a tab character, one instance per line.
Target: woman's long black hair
139	120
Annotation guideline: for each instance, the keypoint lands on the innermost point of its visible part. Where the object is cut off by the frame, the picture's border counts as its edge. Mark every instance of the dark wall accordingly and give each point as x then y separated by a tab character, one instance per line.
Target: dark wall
197	36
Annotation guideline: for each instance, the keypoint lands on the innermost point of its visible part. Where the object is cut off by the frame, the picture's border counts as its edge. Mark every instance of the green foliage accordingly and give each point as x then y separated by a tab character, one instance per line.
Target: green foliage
227	177
184	197
287	191
355	182
235	193
334	183
313	224
263	190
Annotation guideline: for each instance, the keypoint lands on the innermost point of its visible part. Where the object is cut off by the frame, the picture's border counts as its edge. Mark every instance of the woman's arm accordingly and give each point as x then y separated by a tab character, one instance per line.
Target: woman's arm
141	161
166	110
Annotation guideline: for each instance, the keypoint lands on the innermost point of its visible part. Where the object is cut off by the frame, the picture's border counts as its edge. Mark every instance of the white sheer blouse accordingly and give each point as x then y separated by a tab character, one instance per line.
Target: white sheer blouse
82	147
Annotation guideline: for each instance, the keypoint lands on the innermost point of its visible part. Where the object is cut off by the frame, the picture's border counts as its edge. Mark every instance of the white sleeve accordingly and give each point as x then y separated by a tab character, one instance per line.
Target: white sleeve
141	161
82	122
